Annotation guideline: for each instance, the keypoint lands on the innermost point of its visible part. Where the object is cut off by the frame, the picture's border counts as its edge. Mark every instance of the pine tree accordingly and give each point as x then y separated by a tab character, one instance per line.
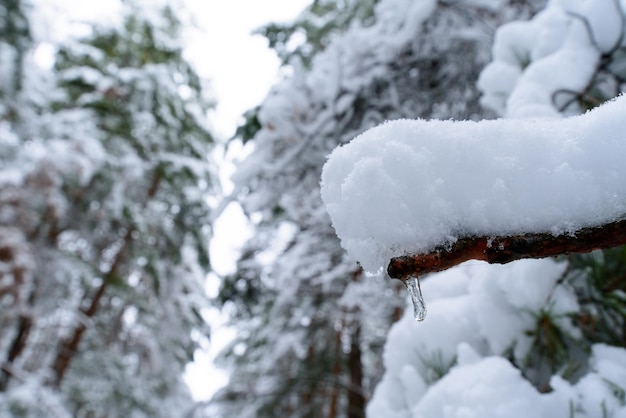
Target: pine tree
311	323
105	226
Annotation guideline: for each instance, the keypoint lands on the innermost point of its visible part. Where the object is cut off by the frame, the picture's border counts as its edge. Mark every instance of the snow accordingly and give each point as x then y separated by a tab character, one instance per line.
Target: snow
496	390
408	186
538	66
452	365
532	98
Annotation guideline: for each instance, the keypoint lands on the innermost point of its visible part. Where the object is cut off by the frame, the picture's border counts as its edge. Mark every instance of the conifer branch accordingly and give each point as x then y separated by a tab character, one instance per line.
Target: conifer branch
504	249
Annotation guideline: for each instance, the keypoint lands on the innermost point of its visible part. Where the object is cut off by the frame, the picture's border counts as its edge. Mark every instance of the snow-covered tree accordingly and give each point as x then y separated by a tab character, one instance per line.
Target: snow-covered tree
103	220
315	27
311	324
532	69
533	338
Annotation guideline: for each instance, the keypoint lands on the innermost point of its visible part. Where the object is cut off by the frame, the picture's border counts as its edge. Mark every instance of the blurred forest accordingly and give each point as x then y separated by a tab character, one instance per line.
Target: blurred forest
104	224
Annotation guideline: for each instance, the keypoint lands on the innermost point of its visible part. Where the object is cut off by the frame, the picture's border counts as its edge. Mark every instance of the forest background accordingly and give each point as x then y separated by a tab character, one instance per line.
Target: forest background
109	187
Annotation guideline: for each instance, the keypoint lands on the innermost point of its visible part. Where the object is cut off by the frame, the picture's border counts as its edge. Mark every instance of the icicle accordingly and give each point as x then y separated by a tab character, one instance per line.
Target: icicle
419	307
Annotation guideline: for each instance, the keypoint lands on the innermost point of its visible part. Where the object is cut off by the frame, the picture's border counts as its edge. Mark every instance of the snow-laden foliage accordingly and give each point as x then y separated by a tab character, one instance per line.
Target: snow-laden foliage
532	338
567	59
103	223
473	355
310	323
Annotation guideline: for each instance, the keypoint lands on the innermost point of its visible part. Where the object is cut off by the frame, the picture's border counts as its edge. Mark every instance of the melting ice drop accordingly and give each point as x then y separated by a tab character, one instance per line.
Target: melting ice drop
419	307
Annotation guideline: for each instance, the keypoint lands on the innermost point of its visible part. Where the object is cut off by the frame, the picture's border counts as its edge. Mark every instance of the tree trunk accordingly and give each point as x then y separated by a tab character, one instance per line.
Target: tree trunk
69	347
24	326
336	374
356	400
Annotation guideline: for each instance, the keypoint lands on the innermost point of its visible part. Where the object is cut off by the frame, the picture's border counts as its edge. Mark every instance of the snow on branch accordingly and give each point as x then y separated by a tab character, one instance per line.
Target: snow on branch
493	190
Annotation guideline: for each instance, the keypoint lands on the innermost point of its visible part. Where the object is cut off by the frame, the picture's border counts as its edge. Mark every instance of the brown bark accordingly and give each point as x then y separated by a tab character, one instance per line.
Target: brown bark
69	347
24	326
356	400
504	249
308	392
336	372
398	310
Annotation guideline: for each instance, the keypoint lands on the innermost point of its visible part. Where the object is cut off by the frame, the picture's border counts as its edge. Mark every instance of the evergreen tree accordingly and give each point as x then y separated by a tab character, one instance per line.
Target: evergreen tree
317	25
104	225
311	323
558	323
300	41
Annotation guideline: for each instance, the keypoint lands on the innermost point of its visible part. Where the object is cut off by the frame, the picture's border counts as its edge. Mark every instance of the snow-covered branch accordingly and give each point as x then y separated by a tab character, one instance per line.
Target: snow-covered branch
501	250
411	186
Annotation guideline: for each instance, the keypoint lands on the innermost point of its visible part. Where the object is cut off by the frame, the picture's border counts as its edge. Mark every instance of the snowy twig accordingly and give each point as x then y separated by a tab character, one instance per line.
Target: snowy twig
505	249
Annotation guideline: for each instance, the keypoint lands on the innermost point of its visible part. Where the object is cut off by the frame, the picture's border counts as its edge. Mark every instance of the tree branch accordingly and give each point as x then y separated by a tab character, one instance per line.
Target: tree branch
505	249
68	348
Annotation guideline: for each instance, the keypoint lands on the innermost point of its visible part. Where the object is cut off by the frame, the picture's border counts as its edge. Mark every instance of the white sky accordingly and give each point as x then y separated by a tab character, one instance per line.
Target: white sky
241	69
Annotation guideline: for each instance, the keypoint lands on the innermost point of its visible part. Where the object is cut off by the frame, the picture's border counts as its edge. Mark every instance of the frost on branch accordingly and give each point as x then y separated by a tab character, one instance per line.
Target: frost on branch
413	186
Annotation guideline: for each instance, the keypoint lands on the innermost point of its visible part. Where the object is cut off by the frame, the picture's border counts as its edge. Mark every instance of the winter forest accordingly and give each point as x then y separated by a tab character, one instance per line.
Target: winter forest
397	128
